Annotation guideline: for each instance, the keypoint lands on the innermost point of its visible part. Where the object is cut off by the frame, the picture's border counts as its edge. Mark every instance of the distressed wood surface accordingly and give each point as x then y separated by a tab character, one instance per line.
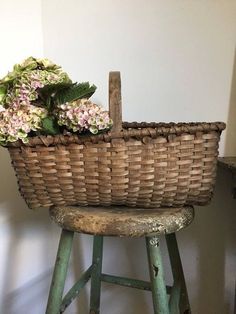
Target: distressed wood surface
115	105
122	221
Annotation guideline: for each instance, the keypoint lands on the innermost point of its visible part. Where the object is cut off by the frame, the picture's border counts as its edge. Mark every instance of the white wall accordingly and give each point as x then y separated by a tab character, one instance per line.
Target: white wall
176	59
24	247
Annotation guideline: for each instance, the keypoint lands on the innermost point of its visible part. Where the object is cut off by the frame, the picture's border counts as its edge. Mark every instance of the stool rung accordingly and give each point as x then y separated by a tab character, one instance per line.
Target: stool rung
129	282
122	281
75	290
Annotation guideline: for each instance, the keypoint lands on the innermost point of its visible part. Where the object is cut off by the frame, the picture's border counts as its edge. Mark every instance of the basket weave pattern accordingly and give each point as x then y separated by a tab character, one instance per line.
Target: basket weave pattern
142	164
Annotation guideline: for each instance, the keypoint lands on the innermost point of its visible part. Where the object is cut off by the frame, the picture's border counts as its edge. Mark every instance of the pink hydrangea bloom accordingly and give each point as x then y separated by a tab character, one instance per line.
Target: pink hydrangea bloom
82	115
20	108
17	123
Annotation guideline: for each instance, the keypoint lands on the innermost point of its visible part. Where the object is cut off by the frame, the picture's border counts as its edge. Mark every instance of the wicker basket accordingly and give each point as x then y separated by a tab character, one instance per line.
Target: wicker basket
135	164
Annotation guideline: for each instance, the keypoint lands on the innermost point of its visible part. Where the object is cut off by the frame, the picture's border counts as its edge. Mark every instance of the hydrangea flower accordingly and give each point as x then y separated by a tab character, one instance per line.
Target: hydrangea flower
22	83
18	120
20	106
82	115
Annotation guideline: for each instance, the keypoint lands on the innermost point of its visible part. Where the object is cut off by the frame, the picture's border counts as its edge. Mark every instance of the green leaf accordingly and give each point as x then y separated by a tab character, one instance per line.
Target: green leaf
3	92
46	93
74	92
49	90
50	126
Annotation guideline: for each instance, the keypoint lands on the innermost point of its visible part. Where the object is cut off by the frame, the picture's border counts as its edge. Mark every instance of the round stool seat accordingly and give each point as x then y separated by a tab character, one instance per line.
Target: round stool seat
122	221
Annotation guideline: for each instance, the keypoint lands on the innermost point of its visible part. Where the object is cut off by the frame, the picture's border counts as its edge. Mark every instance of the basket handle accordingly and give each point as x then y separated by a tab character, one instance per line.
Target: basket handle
115	105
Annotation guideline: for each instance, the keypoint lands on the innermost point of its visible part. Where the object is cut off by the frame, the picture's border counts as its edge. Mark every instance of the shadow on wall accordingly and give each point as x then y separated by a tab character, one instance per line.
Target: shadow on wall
22	282
230	144
213	233
28	244
216	229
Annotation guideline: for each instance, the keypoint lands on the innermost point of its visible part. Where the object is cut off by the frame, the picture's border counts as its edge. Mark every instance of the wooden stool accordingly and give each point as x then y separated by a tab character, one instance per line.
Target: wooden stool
129	222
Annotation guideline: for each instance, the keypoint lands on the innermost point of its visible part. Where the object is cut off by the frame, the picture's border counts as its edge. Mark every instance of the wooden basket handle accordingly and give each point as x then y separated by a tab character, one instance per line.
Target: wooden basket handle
115	105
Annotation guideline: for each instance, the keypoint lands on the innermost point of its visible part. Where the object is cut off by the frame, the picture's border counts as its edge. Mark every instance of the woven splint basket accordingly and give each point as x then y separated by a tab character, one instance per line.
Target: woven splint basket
135	164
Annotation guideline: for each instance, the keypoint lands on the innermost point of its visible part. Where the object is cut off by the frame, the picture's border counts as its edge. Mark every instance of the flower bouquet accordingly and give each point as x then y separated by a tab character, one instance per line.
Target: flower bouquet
38	98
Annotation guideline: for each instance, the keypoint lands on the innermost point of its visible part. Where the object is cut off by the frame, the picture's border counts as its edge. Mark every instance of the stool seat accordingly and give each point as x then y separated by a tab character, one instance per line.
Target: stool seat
122	221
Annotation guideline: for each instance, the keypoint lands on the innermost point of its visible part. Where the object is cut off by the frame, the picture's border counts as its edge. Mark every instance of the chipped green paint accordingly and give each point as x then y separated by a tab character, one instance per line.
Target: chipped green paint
159	293
96	275
60	271
75	290
178	275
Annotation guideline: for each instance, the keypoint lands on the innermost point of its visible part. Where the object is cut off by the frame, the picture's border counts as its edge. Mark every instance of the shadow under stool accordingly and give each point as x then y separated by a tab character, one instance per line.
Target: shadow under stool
129	222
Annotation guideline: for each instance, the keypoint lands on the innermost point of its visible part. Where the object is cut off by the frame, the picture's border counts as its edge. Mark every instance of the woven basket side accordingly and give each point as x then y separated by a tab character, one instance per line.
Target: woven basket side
150	173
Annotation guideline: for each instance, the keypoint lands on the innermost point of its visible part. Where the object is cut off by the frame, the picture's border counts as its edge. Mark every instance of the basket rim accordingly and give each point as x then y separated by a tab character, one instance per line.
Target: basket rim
137	130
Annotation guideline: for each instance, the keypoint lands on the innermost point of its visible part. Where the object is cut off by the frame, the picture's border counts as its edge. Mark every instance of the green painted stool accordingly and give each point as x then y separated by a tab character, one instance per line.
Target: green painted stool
129	222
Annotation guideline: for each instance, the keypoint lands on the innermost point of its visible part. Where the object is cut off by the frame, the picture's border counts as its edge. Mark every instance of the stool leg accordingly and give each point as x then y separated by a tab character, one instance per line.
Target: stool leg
178	274
59	273
96	275
159	294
